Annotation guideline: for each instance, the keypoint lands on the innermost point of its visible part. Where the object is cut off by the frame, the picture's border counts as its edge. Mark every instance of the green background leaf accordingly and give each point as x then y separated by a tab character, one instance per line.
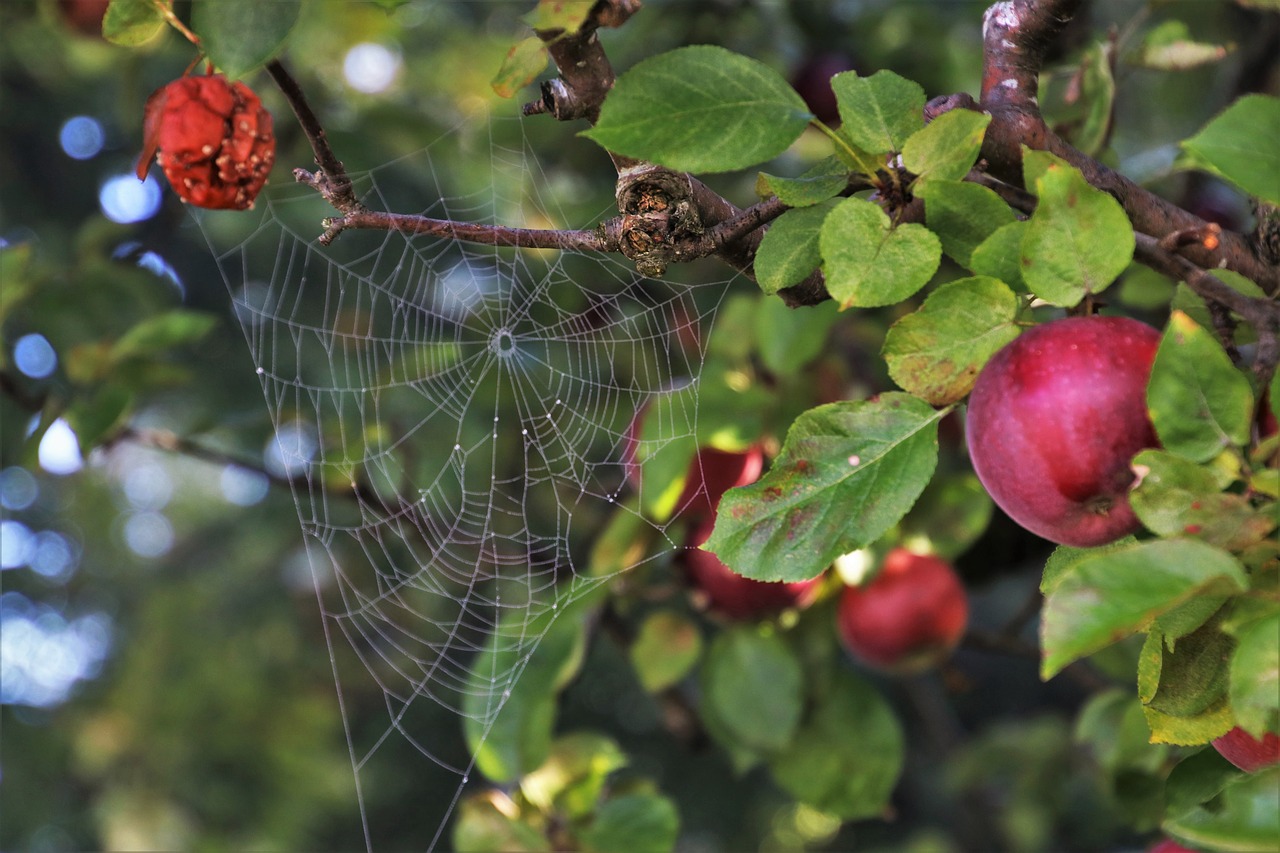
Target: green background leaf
665	649
700	109
755	686
1238	144
848	753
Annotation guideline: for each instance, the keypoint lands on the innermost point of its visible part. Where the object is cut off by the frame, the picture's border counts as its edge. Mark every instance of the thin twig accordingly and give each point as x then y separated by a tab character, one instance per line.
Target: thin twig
332	181
602	239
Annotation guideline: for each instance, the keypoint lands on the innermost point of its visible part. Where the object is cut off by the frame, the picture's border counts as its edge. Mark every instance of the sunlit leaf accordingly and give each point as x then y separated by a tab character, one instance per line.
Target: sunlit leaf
870	262
936	352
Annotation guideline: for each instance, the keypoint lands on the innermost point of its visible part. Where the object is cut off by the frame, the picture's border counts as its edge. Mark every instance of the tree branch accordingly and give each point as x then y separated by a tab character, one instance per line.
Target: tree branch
1016	36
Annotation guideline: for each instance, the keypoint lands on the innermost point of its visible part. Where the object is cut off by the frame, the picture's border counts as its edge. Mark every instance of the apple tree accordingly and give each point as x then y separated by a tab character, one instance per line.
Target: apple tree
967	348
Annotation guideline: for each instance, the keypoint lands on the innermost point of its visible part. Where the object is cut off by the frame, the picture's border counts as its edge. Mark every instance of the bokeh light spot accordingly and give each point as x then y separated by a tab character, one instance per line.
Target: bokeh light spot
34	356
125	199
370	68
60	449
148	534
81	137
18	489
242	486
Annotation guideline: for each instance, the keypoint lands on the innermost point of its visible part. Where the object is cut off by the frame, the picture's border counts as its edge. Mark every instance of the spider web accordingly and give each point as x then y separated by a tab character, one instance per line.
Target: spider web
454	420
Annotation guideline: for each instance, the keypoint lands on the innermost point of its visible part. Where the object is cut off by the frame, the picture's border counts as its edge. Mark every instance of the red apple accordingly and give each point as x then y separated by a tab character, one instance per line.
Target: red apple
1247	752
84	16
908	617
1054	420
1168	845
733	595
812	80
711	473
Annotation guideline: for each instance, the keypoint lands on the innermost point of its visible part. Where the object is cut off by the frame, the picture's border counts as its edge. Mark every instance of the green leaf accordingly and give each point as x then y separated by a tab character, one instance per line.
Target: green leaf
1098	91
1192	677
1113	726
574	775
790	338
1193	305
964	215
847	472
946	148
936	352
869	262
878	113
1107	596
1191	729
481	827
788	252
1200	403
622	544
1000	255
96	416
129	23
1255	677
1064	558
567	15
162	332
847	756
701	109
1243	817
633	823
1175	496
951	514
755	687
1239	144
665	649
509	704
1077	241
821	181
240	35
1196	779
523	63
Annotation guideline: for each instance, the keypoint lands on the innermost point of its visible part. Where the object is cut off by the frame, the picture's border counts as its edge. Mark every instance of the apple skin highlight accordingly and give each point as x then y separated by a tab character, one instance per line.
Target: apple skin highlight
1055	419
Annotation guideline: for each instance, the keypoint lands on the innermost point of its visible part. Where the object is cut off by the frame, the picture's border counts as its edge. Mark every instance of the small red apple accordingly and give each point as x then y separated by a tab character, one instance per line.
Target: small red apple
1247	752
733	595
1168	845
1054	420
812	80
84	16
711	473
908	617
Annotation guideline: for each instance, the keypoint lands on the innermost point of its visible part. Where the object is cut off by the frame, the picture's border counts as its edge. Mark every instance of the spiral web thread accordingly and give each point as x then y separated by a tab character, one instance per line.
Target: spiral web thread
454	419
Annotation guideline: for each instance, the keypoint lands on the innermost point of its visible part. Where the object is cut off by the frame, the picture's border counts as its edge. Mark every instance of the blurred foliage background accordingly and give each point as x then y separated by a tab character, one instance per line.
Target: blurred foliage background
164	680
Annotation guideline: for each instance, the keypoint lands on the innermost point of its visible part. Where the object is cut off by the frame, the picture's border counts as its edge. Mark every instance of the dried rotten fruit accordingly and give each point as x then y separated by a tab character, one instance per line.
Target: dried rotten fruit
212	138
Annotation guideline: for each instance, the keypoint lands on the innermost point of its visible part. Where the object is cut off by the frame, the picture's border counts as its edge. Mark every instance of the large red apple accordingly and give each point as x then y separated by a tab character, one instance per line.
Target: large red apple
1246	751
908	617
733	595
1054	420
